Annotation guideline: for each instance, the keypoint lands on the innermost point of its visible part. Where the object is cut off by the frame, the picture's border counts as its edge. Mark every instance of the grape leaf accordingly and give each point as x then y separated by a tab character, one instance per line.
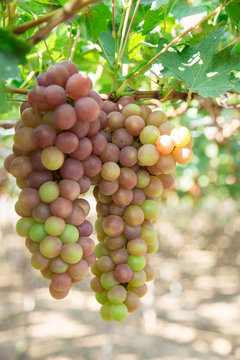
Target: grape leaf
233	11
96	21
168	7
108	43
205	71
152	19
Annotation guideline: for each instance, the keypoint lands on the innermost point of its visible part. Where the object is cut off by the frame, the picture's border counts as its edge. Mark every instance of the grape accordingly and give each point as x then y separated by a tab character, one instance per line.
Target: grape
109	106
128	156
114	243
102	209
69	235
138	196
92	166
16	151
101	297
131	109
61	207
149	235
145	112
87	109
48	191
67	142
54	225
22	183
165	128
108	187
90	260
149	272
58	295
95	96
94	127
36	99
39	261
72	170
61	282
29	198
24	139
8	160
37	232
181	155
105	199
125	100
123	273
22	211
105	264
84	205
64	116
143	178
156	118
80	129
41	212
23	226
31	245
151	209
119	256
148	155
190	143
138	279
111	154
132	302
127	178
133	215
165	165
117	295
58	266
136	263
78	86
113	225
24	105
180	135
134	125
140	291
47	273
52	158
105	311
54	95
30	117
70	66
152	248
122	138
149	135
69	189
115	120
165	144
118	312
137	247
83	150
116	210
79	270
99	144
35	158
108	280
71	253
107	135
132	232
95	271
167	180
85	184
37	178
41	79
87	245
110	171
154	188
57	74
50	246
102	118
122	197
77	216
20	166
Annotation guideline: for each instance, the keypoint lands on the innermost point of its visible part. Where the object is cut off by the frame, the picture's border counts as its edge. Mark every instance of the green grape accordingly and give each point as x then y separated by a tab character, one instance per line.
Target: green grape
118	312
151	209
101	297
105	311
37	232
149	135
70	234
23	226
49	191
136	263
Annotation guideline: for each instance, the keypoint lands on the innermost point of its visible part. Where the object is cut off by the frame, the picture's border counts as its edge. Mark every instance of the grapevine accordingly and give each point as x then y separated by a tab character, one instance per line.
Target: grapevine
69	139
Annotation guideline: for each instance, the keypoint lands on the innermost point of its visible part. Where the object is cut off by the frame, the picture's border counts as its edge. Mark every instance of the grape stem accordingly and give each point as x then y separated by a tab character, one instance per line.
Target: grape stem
174	41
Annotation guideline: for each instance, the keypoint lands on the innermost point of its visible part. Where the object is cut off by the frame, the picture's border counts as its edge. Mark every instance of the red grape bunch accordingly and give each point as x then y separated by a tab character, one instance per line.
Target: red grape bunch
138	163
69	139
55	156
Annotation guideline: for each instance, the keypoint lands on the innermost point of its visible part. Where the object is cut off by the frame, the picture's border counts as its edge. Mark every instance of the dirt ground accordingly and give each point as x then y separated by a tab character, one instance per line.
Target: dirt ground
191	312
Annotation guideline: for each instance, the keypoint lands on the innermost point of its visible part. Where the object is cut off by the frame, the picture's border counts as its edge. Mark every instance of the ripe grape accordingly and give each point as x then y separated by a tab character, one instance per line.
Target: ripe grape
148	155
87	109
78	86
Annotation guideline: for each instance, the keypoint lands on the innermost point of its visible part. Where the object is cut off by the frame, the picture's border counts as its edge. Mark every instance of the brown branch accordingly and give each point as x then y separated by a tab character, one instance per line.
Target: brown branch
21	29
12	90
7	125
68	11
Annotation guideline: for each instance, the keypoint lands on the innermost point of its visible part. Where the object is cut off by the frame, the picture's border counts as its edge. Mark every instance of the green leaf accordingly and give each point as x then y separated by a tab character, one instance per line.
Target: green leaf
152	19
184	10
234	79
96	21
205	71
108	43
135	46
168	7
233	11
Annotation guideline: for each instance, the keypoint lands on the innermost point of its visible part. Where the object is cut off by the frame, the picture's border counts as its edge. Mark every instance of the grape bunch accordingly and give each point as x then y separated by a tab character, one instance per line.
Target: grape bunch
138	166
55	157
68	139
